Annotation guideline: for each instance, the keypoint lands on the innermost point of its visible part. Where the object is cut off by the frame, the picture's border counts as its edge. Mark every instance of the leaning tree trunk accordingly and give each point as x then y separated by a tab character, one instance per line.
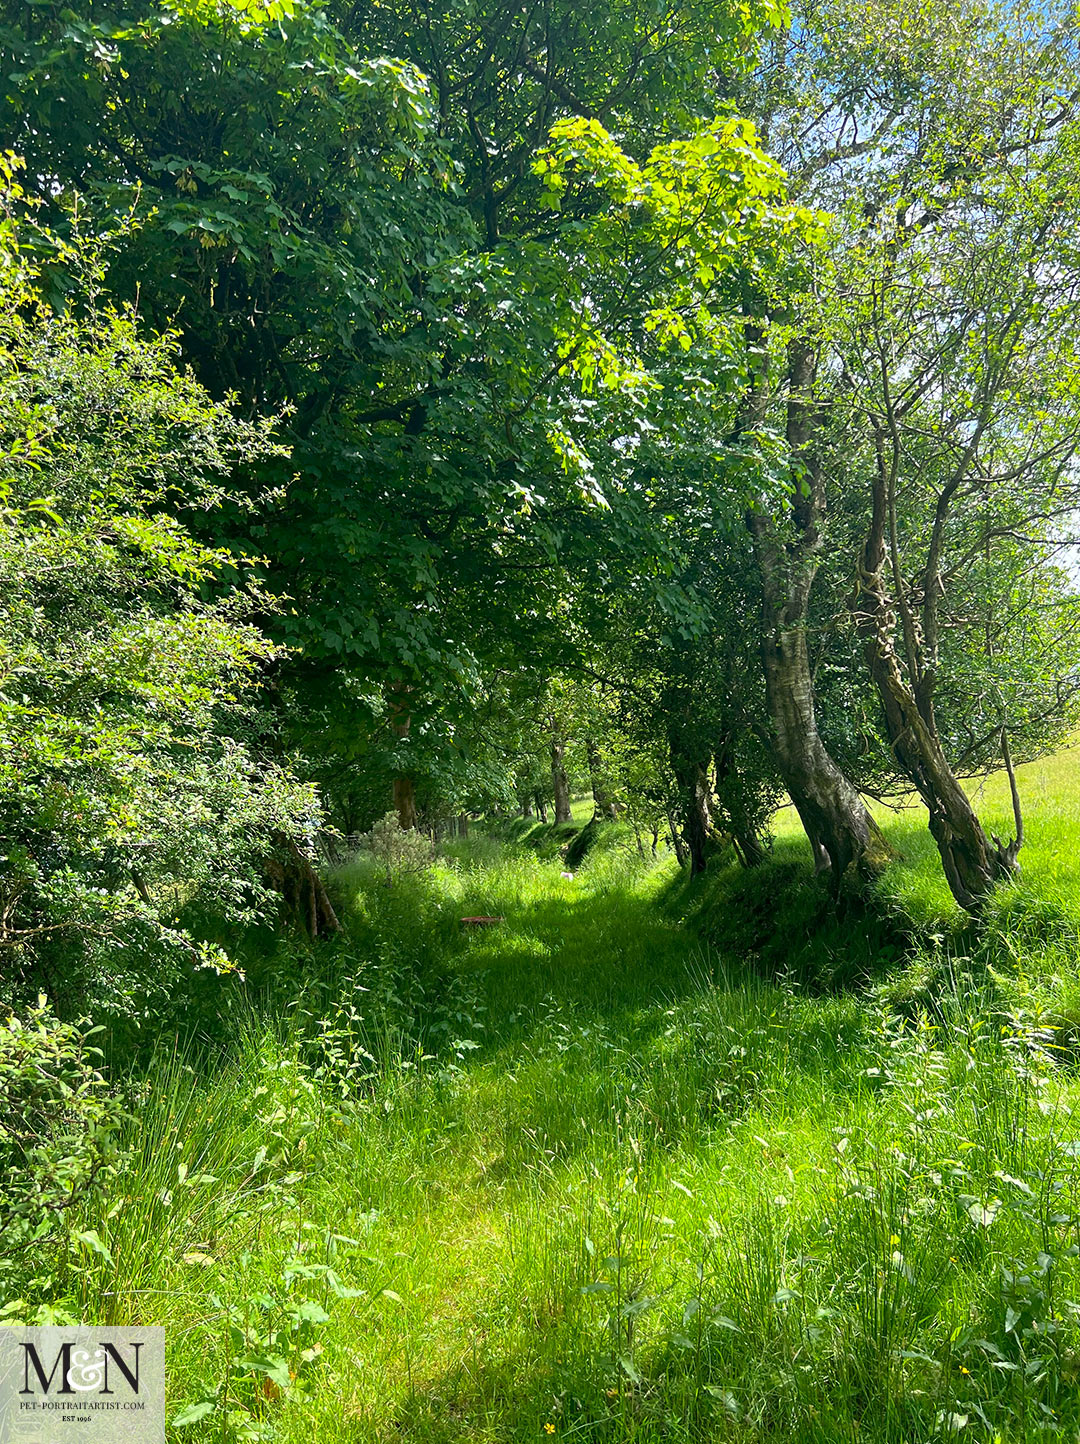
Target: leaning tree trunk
972	862
290	873
843	835
559	779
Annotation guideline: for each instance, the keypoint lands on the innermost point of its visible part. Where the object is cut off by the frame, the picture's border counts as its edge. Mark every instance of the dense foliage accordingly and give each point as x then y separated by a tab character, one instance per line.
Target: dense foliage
136	781
493	499
604	442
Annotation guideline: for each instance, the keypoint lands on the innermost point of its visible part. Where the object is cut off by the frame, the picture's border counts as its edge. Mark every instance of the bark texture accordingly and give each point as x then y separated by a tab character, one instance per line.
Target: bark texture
699	832
841	830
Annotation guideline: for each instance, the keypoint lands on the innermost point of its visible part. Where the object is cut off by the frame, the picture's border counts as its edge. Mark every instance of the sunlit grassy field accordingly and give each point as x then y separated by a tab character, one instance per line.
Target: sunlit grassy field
644	1162
1050	796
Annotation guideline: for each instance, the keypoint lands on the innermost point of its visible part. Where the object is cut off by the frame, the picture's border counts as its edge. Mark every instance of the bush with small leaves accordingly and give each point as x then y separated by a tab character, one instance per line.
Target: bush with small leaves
59	1122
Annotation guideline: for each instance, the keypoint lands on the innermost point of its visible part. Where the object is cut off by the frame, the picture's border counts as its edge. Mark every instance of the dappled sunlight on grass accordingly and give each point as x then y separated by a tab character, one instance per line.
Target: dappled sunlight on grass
649	1160
1050	859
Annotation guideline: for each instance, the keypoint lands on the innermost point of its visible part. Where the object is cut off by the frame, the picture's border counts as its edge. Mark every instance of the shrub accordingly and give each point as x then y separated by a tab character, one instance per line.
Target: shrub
58	1126
137	778
398	850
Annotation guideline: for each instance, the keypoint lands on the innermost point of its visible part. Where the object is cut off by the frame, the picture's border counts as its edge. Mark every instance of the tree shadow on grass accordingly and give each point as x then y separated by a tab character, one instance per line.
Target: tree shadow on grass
781	920
586	1394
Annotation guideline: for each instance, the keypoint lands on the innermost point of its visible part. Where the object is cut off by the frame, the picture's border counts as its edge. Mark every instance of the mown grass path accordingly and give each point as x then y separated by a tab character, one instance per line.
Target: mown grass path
610	1184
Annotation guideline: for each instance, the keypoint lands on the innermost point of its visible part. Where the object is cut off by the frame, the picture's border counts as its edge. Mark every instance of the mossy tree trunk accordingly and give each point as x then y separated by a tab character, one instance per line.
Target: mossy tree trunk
842	833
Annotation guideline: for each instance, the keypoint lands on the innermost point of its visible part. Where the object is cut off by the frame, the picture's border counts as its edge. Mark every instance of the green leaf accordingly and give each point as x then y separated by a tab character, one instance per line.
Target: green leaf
627	1366
273	1366
192	1413
93	1242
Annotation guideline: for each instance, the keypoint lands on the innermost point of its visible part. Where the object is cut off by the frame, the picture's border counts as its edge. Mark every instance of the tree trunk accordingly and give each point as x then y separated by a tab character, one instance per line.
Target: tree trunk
699	831
541	806
404	792
749	848
842	833
682	855
558	776
971	861
290	873
405	802
729	791
526	807
463	824
603	807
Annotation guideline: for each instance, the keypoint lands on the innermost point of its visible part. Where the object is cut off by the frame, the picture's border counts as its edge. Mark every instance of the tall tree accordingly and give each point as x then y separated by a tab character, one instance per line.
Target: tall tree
321	225
929	335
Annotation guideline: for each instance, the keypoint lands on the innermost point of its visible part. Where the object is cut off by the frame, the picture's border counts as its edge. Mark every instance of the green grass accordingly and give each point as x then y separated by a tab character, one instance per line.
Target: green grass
647	1162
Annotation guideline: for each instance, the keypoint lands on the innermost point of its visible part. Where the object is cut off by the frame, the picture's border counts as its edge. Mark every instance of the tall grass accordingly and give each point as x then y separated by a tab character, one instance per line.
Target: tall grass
641	1163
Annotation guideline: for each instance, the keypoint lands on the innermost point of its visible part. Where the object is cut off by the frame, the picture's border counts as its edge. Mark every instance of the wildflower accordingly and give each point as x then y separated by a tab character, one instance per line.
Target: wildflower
963	1370
549	1428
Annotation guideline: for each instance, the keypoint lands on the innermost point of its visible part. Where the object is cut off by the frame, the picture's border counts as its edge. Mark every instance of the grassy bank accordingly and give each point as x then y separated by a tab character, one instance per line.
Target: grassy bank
644	1162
